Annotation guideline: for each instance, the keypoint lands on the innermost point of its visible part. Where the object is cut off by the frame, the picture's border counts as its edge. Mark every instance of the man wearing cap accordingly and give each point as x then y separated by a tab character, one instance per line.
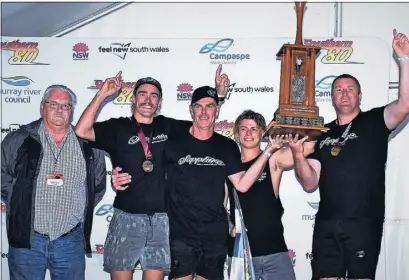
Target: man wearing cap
197	163
139	229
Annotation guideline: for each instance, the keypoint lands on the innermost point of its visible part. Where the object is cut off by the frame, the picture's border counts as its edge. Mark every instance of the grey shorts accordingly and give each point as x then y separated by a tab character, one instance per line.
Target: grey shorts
275	266
134	238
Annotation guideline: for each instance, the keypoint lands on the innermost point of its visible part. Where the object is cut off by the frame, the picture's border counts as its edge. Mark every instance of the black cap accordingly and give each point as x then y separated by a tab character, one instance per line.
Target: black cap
203	92
150	81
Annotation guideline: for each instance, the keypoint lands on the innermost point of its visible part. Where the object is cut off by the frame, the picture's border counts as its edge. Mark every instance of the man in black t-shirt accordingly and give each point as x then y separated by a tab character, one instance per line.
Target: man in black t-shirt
139	229
197	162
348	164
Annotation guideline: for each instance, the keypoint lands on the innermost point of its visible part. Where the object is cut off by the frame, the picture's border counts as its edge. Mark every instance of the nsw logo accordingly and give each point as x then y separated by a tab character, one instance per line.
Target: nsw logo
80	51
184	92
218	52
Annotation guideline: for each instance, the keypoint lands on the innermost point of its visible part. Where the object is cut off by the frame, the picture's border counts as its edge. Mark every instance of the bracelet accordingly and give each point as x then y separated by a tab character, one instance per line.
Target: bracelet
267	154
402	58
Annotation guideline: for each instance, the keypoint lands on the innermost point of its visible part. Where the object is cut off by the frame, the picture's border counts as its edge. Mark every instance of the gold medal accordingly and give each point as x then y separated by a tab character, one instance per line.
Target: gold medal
335	150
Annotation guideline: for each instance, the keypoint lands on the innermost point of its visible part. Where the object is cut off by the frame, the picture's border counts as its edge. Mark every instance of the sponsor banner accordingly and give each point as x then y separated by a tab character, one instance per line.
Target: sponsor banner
181	66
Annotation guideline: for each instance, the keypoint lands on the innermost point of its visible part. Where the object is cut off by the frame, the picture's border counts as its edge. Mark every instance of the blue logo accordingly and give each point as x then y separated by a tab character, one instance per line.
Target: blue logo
323	88
104	210
314	205
220	46
217	52
17	81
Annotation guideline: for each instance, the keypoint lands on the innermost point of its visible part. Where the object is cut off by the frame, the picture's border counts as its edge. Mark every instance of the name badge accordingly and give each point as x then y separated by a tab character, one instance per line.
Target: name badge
55	179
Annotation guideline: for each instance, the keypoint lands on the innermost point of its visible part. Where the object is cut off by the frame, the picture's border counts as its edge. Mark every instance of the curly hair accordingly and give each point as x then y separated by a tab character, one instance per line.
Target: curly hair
249	115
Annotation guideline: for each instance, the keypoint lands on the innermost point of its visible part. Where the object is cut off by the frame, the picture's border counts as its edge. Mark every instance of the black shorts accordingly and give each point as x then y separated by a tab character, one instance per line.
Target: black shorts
193	257
346	248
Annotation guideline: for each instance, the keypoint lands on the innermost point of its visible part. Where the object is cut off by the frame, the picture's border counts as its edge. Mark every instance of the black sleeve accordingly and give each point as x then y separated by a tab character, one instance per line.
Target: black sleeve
176	125
316	154
105	135
233	159
376	118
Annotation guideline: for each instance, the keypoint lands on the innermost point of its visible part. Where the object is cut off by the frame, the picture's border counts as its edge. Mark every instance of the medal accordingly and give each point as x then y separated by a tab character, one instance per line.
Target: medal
147	166
335	150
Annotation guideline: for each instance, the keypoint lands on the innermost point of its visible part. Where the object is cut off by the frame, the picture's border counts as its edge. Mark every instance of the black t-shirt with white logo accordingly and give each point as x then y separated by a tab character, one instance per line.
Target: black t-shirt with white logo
352	181
119	138
196	171
262	212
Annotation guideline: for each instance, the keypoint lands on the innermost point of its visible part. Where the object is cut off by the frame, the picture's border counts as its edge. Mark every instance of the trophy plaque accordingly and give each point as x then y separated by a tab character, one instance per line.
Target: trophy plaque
297	112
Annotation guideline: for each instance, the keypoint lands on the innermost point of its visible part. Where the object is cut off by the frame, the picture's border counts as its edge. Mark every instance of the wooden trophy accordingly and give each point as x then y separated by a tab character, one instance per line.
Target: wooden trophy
297	112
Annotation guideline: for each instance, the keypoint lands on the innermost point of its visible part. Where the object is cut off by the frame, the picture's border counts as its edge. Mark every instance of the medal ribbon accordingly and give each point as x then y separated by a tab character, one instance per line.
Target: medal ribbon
146	146
344	135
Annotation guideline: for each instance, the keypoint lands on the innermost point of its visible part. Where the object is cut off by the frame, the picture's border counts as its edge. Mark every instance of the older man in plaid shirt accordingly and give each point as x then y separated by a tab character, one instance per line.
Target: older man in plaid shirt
51	181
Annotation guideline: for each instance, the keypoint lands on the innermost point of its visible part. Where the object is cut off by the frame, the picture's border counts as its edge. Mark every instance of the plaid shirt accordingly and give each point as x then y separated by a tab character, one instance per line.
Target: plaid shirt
60	208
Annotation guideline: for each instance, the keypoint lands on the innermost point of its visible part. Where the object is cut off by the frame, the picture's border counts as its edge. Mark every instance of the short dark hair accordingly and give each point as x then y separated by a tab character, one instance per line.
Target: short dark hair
250	115
346	76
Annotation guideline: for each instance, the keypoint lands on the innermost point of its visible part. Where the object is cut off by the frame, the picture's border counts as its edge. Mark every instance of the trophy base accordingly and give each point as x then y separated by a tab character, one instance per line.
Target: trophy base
313	132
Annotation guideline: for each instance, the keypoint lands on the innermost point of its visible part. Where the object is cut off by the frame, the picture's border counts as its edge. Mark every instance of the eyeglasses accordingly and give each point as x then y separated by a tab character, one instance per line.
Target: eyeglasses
56	106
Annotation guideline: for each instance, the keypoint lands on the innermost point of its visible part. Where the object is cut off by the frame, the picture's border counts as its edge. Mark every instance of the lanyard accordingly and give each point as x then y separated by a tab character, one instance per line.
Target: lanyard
51	148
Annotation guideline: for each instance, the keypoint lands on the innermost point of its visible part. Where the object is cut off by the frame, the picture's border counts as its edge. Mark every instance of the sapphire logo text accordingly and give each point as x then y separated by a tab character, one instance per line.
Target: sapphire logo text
23	53
80	51
338	51
218	52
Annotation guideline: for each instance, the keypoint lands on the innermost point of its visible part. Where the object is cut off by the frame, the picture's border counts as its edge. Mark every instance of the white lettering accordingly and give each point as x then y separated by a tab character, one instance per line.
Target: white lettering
157	139
262	176
200	161
331	142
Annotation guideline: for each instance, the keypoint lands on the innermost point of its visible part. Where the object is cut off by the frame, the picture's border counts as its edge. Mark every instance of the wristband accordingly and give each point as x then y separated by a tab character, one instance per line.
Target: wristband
267	154
402	58
221	98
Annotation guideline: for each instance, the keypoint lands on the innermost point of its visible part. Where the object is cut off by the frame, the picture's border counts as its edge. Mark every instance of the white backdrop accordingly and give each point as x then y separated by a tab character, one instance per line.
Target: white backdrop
29	65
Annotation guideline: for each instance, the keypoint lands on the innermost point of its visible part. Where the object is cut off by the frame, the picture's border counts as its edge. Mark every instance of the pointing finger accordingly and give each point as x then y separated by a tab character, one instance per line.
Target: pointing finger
218	71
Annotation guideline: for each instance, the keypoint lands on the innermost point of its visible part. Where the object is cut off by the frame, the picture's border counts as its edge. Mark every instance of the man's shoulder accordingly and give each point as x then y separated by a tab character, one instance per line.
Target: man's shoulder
115	121
224	140
16	137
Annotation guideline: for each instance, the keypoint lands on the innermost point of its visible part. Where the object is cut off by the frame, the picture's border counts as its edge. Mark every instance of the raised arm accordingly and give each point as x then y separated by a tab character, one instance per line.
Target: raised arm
307	170
222	85
84	125
284	159
243	181
396	112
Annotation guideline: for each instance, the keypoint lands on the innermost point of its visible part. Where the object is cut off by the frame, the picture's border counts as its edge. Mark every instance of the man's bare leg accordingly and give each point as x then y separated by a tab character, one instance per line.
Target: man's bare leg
121	275
151	274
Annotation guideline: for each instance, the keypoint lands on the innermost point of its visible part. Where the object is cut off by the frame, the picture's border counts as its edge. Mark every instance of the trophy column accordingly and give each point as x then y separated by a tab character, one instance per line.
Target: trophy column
297	112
